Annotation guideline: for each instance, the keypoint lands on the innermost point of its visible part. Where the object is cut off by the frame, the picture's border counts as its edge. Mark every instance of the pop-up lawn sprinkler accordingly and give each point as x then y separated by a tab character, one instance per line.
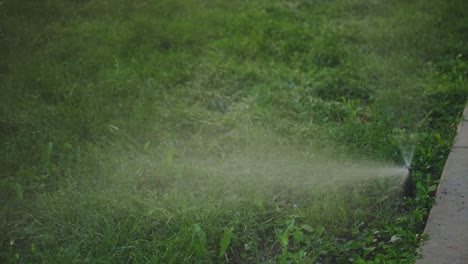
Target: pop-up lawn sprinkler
408	183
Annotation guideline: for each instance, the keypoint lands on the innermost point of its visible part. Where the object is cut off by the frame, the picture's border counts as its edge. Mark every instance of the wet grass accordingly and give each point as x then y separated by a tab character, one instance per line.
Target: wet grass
222	131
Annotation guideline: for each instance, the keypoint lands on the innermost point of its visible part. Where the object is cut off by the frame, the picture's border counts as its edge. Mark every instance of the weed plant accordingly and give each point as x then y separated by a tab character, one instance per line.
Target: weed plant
223	131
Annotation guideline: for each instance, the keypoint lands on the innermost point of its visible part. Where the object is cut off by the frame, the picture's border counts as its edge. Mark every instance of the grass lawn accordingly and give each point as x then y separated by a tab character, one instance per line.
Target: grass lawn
210	131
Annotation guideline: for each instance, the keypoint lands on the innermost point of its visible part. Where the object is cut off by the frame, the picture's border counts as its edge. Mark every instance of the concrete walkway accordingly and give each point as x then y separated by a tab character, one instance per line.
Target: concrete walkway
447	224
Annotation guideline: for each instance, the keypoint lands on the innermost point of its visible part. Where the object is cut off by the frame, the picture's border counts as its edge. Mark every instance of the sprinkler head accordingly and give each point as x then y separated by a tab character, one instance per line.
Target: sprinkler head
408	184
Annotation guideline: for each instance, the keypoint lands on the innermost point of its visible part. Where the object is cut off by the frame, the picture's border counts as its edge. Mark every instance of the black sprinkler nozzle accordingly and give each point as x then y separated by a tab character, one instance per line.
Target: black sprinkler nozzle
408	185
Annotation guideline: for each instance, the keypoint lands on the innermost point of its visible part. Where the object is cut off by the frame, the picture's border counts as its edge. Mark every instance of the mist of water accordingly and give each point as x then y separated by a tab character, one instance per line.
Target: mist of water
256	158
407	142
407	153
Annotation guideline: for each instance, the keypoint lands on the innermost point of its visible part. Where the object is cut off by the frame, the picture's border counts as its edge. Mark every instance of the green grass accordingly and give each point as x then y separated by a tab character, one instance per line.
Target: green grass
223	131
